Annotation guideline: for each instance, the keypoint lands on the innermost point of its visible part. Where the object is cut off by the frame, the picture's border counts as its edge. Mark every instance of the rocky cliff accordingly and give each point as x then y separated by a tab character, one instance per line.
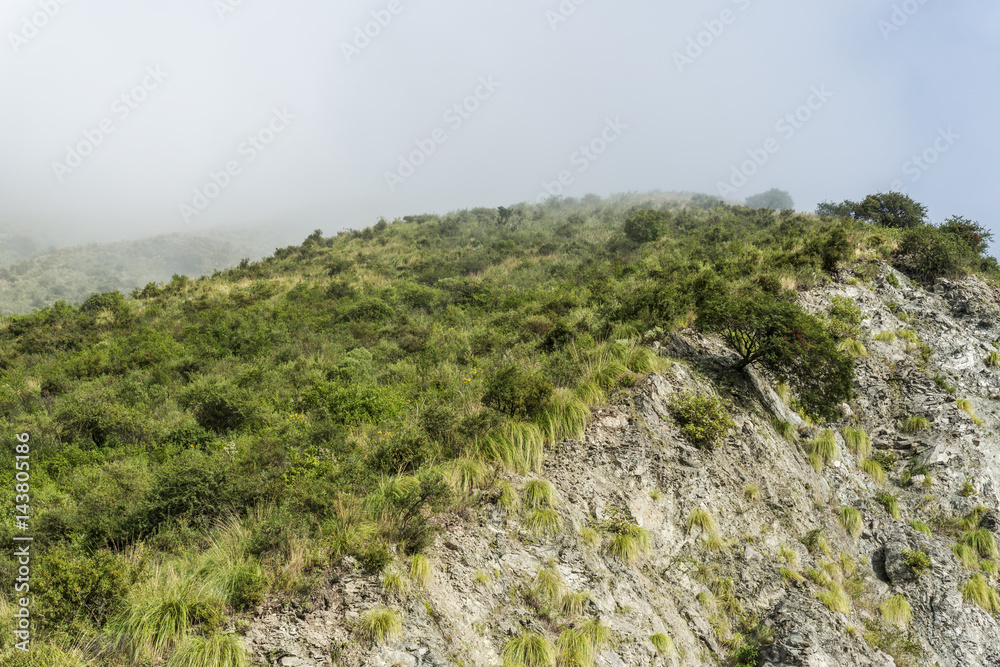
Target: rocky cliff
871	541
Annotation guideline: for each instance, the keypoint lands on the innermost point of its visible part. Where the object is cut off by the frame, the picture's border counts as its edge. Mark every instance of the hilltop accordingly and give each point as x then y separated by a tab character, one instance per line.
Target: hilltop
640	430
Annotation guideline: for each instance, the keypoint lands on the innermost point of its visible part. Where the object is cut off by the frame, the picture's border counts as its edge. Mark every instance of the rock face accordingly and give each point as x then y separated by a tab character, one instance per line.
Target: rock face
781	572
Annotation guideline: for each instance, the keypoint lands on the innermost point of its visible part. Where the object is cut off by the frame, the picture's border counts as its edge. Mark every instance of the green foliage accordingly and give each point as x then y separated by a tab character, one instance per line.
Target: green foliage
918	561
539	494
978	591
815	541
543	522
516	392
215	650
529	649
915	424
993	360
663	644
921	526
628	541
703	418
380	625
983	541
220	406
835	599
971	234
645	226
858	442
885	337
890	503
891	209
896	610
845	317
787	341
851	520
824	448
420	570
700	518
966	554
926	253
773	198
575	649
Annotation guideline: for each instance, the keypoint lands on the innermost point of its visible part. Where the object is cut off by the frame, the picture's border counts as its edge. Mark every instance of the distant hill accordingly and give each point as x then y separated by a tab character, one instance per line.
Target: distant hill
72	273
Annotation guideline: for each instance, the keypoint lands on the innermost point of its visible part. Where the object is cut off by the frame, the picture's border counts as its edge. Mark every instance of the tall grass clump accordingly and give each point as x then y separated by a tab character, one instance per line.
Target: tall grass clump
420	570
529	649
467	474
824	449
547	586
993	360
539	494
703	520
852	348
858	442
983	541
517	446
575	649
629	543
851	520
977	590
891	504
885	337
574	602
663	644
564	416
785	429
967	555
215	650
921	526
896	610
543	522
380	625
874	470
835	599
915	424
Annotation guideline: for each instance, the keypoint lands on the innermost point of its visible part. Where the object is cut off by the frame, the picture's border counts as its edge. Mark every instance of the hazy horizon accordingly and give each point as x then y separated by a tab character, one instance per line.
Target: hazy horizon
126	120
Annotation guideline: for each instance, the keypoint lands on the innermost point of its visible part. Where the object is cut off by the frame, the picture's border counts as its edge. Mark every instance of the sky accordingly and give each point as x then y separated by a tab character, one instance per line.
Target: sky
122	119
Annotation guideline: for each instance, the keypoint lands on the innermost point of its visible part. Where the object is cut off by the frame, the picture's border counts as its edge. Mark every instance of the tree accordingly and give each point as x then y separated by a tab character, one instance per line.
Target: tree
891	209
645	225
778	335
773	198
828	209
971	233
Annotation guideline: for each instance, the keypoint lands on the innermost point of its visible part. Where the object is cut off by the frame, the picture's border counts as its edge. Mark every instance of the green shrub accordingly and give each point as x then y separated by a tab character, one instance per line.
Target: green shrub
352	402
96	415
703	418
891	209
645	225
926	254
918	561
220	406
516	392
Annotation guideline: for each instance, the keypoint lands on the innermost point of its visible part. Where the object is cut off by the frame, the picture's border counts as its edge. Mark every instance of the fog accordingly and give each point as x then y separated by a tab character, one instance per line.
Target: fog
122	119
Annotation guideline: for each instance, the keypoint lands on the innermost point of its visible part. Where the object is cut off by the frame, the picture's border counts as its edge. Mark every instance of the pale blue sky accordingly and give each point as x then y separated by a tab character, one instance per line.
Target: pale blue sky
551	87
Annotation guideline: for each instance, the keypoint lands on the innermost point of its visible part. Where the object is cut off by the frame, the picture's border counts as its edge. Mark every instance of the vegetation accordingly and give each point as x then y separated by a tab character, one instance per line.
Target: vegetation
891	504
896	610
977	590
704	419
874	470
915	424
918	561
204	444
529	649
380	625
663	643
858	442
773	198
851	520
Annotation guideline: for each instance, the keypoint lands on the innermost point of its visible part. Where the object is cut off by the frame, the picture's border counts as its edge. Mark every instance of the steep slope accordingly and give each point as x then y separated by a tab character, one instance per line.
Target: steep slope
726	598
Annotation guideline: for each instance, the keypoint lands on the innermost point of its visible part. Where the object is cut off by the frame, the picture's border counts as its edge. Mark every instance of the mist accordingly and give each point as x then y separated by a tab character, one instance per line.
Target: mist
124	119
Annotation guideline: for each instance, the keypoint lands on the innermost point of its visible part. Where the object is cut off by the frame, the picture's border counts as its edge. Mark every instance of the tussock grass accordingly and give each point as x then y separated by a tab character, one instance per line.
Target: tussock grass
819	577
785	429
480	578
850	519
598	633
993	360
835	599
543	522
529	649
564	416
574	602
591	538
896	610
628	546
215	650
394	582
977	590
885	337
467	474
858	442
908	335
783	391
538	494
517	446
815	541
420	570
824	449
701	518
967	555
752	492
590	393
791	576
508	500
575	649
852	348
921	526
547	586
990	567
891	505
789	555
983	541
663	644
380	624
915	424
874	470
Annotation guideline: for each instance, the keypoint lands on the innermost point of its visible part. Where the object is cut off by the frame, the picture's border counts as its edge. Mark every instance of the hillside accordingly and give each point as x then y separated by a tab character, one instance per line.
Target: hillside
644	430
31	278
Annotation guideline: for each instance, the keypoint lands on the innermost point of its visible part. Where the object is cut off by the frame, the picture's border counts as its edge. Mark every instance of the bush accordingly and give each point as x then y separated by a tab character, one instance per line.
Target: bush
704	419
97	416
774	198
220	406
973	235
892	209
917	560
516	392
645	226
926	254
